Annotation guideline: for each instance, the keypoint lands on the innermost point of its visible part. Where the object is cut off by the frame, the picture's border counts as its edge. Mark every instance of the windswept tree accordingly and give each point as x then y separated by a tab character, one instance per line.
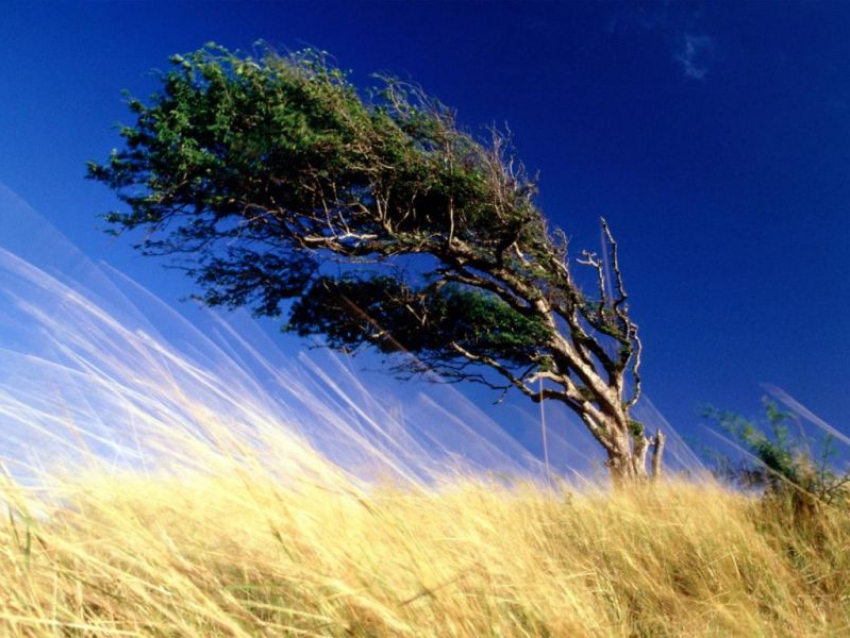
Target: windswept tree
377	222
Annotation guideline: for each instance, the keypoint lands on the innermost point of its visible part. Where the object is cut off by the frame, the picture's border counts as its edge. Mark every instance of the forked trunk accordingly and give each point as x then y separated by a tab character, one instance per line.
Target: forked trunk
627	454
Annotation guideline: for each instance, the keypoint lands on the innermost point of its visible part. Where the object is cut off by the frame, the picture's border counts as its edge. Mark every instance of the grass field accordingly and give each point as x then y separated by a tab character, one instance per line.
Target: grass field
241	554
161	493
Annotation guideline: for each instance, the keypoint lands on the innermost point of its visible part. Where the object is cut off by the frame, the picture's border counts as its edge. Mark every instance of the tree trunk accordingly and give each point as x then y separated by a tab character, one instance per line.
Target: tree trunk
627	454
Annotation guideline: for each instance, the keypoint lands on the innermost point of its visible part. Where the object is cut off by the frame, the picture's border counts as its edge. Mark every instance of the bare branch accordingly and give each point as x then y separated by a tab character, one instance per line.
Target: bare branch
590	259
498	367
615	265
636	361
657	454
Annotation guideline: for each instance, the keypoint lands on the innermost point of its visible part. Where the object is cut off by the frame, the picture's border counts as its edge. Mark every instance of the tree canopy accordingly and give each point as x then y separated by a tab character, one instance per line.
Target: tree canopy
376	221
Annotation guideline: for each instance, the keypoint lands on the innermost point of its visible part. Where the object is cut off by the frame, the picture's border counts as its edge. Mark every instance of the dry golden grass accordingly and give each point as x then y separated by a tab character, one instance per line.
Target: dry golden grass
238	527
240	555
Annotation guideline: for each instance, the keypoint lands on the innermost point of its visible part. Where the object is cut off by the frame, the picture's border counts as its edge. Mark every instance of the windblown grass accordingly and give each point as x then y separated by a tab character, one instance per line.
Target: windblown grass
166	492
238	554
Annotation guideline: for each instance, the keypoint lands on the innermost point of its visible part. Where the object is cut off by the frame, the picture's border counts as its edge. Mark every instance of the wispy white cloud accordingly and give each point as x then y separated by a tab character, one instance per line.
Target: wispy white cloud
694	55
691	49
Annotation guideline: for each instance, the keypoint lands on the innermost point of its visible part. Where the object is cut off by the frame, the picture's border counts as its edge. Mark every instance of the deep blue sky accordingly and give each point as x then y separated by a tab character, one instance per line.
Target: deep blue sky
715	137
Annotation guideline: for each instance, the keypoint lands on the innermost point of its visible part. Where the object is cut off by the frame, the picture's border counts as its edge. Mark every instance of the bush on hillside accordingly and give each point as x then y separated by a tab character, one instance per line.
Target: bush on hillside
790	468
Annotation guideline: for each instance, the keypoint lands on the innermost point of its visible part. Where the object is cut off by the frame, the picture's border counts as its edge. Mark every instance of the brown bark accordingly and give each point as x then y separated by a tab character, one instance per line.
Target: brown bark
628	451
657	453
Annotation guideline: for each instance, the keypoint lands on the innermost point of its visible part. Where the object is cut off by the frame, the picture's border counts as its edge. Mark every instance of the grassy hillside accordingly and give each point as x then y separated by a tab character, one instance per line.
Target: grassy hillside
177	497
240	555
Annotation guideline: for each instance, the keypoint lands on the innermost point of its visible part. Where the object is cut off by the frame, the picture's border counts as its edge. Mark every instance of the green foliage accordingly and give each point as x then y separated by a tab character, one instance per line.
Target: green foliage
636	428
232	139
395	317
781	462
258	172
372	219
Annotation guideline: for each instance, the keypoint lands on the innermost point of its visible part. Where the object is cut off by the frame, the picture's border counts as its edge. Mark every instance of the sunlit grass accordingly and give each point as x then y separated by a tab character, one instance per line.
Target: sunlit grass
240	554
151	490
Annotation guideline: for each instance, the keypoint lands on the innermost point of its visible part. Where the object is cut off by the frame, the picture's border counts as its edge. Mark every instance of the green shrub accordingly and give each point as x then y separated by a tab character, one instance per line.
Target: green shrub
791	468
